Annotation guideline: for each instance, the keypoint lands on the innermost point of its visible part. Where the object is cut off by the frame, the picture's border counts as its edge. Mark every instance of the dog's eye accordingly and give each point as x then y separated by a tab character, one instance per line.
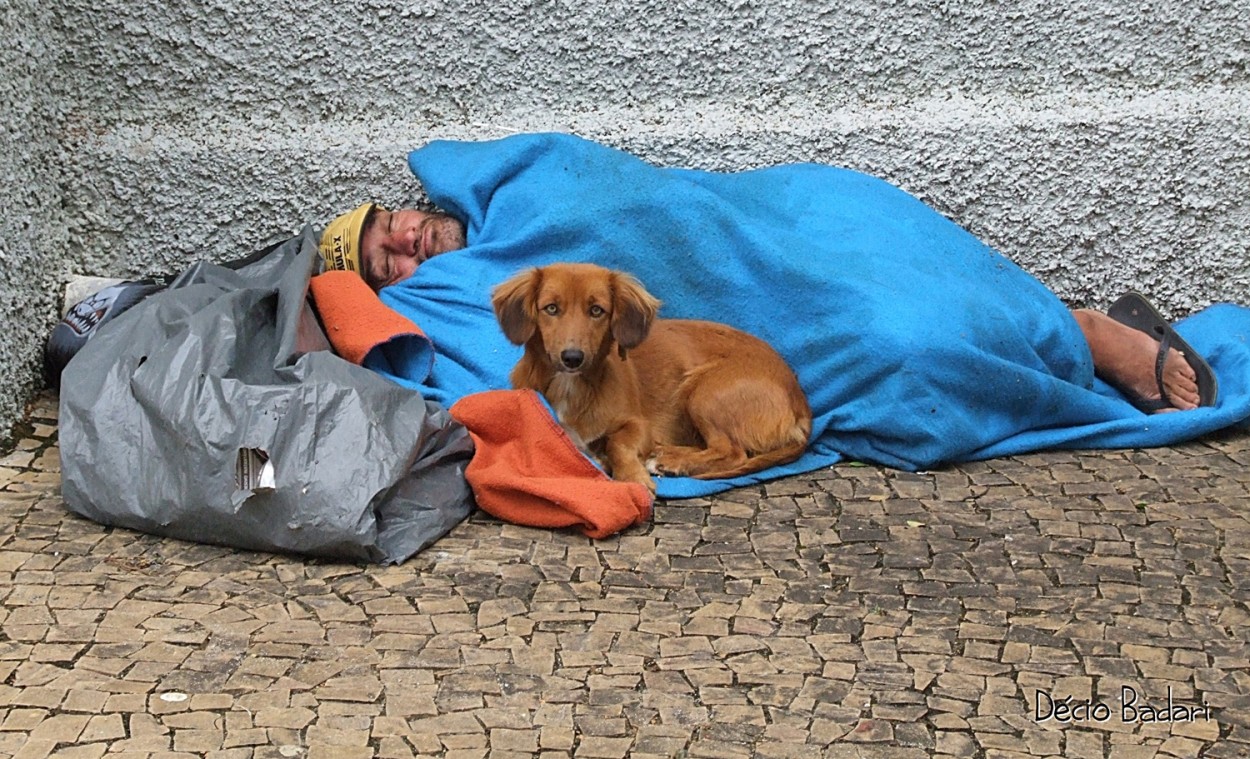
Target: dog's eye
551	309
596	311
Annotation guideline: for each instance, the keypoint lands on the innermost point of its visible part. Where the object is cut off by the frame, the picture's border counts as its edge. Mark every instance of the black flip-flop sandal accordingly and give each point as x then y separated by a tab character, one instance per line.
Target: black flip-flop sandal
1133	310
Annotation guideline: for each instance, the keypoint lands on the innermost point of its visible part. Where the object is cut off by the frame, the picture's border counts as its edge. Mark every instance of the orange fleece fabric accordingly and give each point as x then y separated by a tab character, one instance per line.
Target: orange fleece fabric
355	320
526	470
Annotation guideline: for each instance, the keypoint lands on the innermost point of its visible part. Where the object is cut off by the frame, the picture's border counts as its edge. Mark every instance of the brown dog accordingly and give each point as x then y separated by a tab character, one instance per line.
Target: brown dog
671	396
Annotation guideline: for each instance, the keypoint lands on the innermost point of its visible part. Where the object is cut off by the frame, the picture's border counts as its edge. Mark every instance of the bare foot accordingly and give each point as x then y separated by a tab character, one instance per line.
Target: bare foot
1125	358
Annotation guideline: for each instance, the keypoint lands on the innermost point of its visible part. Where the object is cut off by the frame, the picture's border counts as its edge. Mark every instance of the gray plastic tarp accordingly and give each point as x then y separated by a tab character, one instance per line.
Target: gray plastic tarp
169	413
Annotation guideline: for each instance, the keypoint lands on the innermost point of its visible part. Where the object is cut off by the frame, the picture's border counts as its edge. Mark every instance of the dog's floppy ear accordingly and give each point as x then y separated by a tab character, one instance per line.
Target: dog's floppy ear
633	310
514	306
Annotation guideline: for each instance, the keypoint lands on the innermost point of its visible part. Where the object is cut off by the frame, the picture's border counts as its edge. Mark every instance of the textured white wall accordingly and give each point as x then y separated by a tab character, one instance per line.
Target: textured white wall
32	235
1100	144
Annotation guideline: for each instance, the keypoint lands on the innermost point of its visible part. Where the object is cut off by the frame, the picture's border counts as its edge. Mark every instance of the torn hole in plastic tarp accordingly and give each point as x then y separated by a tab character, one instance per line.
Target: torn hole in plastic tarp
253	472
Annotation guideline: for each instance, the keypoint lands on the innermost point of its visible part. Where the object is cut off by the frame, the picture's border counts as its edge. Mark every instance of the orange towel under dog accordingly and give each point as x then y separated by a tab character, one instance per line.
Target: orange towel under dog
527	471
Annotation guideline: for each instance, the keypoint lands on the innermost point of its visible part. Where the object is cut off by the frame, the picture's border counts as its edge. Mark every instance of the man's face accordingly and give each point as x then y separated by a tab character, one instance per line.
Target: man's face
394	243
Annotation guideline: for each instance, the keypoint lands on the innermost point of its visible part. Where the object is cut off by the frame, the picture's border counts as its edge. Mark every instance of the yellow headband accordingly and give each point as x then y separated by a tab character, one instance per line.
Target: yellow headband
340	242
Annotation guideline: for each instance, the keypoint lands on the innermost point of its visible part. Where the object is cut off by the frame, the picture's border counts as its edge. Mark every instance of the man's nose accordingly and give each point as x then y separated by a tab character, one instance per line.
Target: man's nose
402	242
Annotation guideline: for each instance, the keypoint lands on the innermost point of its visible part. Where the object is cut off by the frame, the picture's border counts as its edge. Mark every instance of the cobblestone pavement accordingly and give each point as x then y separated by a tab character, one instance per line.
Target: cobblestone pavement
997	609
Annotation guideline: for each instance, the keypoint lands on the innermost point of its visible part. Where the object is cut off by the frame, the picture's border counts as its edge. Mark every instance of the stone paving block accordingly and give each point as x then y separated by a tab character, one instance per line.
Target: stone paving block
103	727
61	728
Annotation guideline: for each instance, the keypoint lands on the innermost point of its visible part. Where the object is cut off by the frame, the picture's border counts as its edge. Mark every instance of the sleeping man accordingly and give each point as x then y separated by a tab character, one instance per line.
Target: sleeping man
916	343
390	245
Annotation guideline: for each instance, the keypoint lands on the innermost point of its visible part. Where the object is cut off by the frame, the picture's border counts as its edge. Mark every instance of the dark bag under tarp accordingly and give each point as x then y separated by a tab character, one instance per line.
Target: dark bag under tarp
214	411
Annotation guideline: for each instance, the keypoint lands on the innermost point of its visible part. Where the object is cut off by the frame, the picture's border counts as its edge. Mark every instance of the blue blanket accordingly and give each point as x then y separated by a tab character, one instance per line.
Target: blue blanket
916	343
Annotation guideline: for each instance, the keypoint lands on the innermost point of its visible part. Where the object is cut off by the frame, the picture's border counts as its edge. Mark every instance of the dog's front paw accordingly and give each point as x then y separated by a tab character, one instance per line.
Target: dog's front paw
637	474
646	481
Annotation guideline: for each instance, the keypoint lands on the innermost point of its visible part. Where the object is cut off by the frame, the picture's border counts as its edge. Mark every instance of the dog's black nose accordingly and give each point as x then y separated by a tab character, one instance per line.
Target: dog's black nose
572	358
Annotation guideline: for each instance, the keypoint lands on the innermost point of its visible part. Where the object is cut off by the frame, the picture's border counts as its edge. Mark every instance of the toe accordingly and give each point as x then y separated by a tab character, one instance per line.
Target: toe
1181	382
